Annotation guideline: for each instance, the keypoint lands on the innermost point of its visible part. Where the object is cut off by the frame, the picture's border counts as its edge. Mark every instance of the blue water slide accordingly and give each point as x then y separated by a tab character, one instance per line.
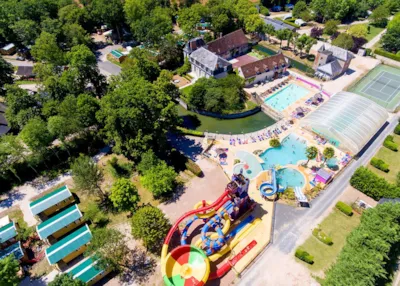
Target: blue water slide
240	226
268	189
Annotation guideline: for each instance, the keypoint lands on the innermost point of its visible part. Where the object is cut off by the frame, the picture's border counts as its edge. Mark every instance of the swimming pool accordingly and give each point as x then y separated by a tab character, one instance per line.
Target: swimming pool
289	177
292	150
249	165
286	96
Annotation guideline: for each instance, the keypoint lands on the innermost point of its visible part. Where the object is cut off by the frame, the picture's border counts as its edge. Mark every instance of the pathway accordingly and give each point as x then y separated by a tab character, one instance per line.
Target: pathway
292	226
376	39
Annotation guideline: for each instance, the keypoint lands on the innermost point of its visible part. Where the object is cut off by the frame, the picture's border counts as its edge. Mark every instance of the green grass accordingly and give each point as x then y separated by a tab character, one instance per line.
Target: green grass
337	225
186	90
18	82
374	31
390	157
111	59
256	55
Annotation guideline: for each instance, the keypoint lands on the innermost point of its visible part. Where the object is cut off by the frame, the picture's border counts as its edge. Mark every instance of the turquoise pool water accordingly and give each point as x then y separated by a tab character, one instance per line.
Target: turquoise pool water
289	177
253	167
292	150
286	96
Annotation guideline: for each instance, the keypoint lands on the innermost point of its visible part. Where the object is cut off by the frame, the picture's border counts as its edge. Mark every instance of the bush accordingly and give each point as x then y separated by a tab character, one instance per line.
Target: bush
289	194
160	179
368	52
94	214
304	255
379	164
387	55
373	185
264	10
186	131
236	161
118	169
389	143
291	24
321	236
397	129
274	143
194	168
331	27
344	208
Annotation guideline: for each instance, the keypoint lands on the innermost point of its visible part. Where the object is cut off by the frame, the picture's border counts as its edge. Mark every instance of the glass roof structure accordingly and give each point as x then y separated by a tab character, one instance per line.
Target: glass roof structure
85	270
7	232
347	120
68	244
49	200
59	221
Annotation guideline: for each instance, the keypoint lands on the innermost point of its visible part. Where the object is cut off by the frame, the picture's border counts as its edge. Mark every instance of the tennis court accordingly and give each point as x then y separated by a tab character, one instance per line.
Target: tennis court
381	85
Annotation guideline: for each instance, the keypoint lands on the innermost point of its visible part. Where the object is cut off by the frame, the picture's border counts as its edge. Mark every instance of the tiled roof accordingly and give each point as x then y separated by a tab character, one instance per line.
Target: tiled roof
7	232
68	244
85	270
333	68
194	44
209	59
228	42
59	221
252	69
12	249
337	52
49	200
25	71
278	25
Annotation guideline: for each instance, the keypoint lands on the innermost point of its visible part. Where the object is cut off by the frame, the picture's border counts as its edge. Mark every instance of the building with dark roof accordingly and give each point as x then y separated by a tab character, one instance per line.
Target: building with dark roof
207	64
230	46
25	72
192	45
279	25
4	128
331	61
264	69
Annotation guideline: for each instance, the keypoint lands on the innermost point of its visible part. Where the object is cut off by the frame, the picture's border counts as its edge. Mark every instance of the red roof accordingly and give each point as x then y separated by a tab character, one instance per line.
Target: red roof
228	42
252	69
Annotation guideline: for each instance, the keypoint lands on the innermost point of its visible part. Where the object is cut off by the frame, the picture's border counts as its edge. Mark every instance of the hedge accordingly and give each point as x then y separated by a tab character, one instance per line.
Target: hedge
379	164
373	185
321	236
387	55
344	208
291	24
389	143
190	132
304	255
194	168
397	129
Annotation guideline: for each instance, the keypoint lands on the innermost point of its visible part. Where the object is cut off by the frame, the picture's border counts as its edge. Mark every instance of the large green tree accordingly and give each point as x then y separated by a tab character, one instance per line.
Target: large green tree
380	15
160	180
9	267
65	279
344	41
391	40
124	195
150	225
26	31
299	8
47	50
35	135
6	72
311	153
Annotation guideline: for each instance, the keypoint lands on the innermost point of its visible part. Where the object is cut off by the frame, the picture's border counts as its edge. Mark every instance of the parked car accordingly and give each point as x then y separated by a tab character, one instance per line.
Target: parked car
289	6
276	8
287	17
300	22
20	58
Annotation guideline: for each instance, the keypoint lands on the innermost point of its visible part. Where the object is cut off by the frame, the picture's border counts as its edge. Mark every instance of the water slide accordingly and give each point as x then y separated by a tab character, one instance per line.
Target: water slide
269	189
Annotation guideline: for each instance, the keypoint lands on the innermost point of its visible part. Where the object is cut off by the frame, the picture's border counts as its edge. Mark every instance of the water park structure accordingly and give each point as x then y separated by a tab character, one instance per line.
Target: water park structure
215	237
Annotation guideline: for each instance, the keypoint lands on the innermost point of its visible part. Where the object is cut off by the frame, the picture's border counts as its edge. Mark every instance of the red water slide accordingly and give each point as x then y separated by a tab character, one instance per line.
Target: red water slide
215	205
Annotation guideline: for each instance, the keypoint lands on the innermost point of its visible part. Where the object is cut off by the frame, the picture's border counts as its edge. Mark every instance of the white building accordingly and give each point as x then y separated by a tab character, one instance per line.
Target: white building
207	64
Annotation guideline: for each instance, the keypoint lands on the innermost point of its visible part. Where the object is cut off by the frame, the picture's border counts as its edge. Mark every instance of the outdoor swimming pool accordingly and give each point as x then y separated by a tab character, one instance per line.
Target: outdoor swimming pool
289	177
249	166
286	96
292	150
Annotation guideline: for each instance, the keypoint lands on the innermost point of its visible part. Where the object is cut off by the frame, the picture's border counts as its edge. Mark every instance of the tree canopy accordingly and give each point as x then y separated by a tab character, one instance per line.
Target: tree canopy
65	279
9	268
124	195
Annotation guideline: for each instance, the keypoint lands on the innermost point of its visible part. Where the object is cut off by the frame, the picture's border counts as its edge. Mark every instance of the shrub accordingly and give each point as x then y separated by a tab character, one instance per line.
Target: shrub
389	143
186	131
124	195
397	129
236	161
331	27
368	52
344	208
118	169
379	164
95	215
264	10
194	168
387	54
291	24
274	143
304	255
288	194
160	179
321	236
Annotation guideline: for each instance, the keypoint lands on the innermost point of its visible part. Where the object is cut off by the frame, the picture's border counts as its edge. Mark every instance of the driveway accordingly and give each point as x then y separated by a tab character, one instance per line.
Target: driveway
293	226
107	68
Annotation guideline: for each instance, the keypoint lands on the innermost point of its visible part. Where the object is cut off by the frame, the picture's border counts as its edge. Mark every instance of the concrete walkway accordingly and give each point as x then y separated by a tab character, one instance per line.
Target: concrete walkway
375	40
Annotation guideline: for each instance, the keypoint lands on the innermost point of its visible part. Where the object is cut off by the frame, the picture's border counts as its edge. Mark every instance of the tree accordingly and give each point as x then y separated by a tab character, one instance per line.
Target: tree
60	127
109	247
6	75
9	267
159	180
35	135
359	31
329	152
311	153
331	27
124	195
269	30
148	161
87	175
391	40
26	31
141	63
74	35
188	18
170	52
150	225
398	179
73	14
309	43
281	35
95	215
87	106
165	84
298	8
274	143
66	279
254	24
344	41
136	116
289	37
316	32
380	16
47	50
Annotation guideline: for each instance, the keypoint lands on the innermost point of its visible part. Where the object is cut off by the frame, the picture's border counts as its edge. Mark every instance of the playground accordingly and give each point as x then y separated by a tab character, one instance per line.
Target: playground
217	237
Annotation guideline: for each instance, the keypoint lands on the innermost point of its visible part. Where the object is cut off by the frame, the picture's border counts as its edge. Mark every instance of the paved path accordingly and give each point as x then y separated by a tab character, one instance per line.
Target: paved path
375	40
14	62
107	68
293	226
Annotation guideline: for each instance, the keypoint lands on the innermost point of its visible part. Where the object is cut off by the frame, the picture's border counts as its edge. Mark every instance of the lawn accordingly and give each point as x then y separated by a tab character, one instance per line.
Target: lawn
257	55
374	31
337	225
186	90
390	157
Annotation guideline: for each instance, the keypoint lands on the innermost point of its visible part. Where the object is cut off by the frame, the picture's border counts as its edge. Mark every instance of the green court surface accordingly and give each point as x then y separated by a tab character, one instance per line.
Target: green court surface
382	85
